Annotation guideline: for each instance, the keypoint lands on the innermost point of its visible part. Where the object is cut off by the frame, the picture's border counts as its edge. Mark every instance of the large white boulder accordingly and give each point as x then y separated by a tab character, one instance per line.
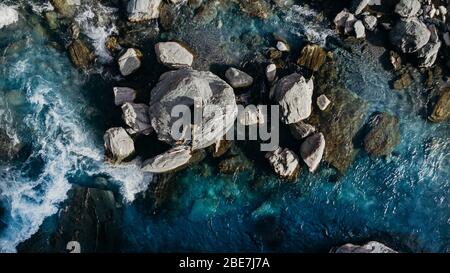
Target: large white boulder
141	10
173	55
312	150
284	162
135	115
118	144
129	61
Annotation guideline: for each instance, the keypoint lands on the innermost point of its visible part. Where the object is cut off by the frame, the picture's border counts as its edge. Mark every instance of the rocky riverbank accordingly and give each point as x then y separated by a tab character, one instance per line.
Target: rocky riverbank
324	123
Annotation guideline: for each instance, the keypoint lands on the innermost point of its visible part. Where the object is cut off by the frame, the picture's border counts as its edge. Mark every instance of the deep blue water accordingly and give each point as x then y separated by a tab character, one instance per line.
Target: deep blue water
51	109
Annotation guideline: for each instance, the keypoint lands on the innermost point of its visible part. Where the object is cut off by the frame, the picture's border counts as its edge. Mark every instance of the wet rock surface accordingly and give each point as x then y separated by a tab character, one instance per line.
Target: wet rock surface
383	134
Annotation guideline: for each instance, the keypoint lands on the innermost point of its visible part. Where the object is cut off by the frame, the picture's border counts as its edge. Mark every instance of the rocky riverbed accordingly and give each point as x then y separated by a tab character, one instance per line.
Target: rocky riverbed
363	111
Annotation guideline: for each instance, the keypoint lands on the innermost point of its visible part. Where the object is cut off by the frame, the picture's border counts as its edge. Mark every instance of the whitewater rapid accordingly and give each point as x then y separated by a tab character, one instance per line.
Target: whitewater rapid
43	106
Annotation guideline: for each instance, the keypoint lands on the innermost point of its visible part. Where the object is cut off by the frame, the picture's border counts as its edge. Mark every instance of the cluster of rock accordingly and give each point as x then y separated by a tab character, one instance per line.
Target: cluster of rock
418	29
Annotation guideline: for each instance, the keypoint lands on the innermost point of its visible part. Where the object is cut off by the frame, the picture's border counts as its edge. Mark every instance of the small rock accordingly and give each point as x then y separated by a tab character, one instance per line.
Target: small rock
118	144
361	6
123	95
312	150
370	22
135	115
130	61
360	30
312	57
141	10
396	60
173	55
271	72
237	78
323	102
410	35
170	161
282	46
284	162
441	110
251	116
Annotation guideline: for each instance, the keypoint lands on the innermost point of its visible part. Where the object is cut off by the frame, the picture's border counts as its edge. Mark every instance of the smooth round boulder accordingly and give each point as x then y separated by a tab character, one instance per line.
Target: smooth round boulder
190	89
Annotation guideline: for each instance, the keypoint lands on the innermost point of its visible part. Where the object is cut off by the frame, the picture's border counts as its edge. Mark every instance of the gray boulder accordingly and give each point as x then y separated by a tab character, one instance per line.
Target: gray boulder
194	89
284	162
370	247
135	115
118	144
170	161
173	55
294	95
312	150
237	78
141	10
410	35
123	95
129	61
407	8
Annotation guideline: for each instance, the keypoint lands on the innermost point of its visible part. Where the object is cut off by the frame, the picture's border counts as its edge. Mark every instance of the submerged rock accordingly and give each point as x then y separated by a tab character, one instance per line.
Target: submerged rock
118	144
383	135
173	55
65	7
410	35
123	95
135	115
312	57
80	54
237	78
294	95
193	89
257	8
129	61
141	10
370	247
173	160
441	110
312	150
342	120
90	218
284	162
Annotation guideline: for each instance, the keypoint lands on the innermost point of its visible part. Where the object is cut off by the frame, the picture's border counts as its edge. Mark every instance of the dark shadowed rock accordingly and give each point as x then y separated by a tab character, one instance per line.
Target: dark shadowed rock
342	120
441	110
80	54
383	135
90	217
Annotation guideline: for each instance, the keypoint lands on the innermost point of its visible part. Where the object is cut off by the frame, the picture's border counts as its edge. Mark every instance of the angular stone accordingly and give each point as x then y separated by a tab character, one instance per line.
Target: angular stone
271	72
407	8
170	161
136	116
312	150
312	57
173	55
80	54
141	10
383	135
118	144
237	78
410	35
300	130
284	162
123	95
441	110
130	61
294	95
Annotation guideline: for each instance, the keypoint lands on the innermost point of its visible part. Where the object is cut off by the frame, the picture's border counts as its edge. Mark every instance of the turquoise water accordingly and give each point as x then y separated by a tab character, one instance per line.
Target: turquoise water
58	115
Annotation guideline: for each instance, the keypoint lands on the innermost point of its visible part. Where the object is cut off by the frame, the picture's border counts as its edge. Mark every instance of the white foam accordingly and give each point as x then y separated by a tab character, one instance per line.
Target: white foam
8	15
97	23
